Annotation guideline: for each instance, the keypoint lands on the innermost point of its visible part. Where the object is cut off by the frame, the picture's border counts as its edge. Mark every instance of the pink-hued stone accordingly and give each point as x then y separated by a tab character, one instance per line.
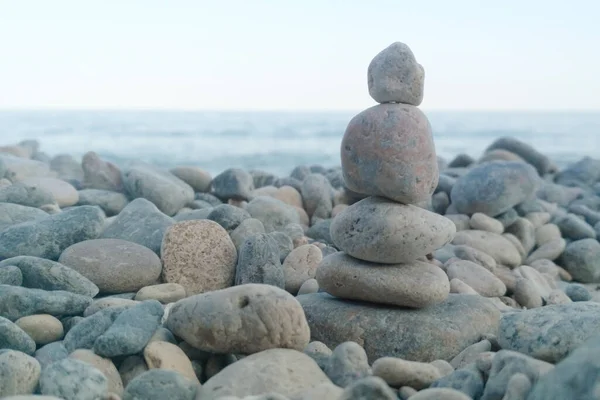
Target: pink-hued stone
388	151
100	174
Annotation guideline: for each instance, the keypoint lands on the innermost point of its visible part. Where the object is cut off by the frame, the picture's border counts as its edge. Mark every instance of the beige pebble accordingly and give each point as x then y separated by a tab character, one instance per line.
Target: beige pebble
557	296
300	265
539	218
484	360
164	292
477	256
458	286
518	387
506	276
132	367
470	354
397	372
517	243
323	391
443	366
42	328
309	286
64	193
477	277
549	251
497	246
104	365
289	195
19	373
542	282
165	355
483	222
268	190
547	233
196	177
338	209
199	255
527	295
462	222
5	182
406	392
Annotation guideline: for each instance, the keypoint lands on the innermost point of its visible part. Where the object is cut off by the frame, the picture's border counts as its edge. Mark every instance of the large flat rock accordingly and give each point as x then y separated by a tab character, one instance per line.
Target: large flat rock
437	332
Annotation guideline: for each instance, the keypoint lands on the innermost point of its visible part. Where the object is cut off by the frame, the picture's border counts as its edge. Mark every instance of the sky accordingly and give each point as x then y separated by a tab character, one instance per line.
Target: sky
295	55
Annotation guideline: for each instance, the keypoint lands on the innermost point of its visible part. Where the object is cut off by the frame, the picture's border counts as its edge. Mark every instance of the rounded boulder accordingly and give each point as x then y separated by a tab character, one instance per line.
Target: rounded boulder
114	265
382	231
242	319
388	151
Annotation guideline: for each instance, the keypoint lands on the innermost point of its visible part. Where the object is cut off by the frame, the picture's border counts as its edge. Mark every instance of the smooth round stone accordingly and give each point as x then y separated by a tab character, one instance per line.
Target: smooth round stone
12	214
397	372
497	246
132	367
199	255
100	174
483	222
72	379
495	187
196	177
316	195
388	151
477	277
42	328
499	155
547	233
477	256
283	371
104	365
273	213
111	202
166	355
247	228
582	260
548	251
19	374
242	319
377	230
114	265
309	286
233	183
164	292
395	76
14	338
301	265
160	384
416	284
228	216
10	275
541	162
289	195
64	193
347	363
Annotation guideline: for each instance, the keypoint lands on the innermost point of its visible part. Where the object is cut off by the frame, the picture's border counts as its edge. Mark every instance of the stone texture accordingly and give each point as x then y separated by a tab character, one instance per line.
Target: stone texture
17	302
19	374
112	203
415	284
549	333
282	371
377	230
274	214
104	365
494	187
395	76
50	353
114	265
48	237
199	255
347	363
480	221
388	151
397	372
300	266
164	355
71	379
243	319
196	177
164	292
25	195
247	228
316	195
131	331
159	384
370	388
10	275
424	335
13	214
140	222
228	216
64	193
233	183
582	259
497	246
100	174
477	277
42	328
39	273
259	262
540	161
13	337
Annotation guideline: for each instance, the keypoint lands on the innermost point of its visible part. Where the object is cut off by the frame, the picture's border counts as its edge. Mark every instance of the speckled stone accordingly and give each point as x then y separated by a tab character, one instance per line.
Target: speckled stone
243	319
72	379
301	265
42	328
166	355
199	255
388	151
415	284
377	230
497	246
19	374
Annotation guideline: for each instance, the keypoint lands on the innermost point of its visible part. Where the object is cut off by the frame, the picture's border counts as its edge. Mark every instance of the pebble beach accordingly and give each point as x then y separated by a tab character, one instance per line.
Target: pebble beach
398	274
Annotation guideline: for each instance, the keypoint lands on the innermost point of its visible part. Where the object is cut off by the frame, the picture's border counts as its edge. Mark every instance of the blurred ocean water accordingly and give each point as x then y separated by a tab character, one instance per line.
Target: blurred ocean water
278	141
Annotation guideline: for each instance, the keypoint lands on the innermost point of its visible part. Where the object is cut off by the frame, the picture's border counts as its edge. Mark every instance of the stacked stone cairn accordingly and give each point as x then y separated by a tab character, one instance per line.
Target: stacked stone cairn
388	154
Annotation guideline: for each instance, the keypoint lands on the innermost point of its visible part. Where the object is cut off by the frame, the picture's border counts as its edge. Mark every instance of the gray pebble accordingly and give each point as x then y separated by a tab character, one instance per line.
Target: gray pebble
51	353
228	216
369	388
540	161
25	195
347	364
48	237
467	380
111	202
72	379
316	195
578	292
131	331
17	302
581	259
160	384
10	275
13	214
575	228
273	213
14	338
319	352
284	244
233	183
321	231
84	334
39	273
259	262
19	374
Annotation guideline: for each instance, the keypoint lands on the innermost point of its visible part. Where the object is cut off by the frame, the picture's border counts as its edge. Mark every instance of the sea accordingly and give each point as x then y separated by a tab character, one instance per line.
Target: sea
278	141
